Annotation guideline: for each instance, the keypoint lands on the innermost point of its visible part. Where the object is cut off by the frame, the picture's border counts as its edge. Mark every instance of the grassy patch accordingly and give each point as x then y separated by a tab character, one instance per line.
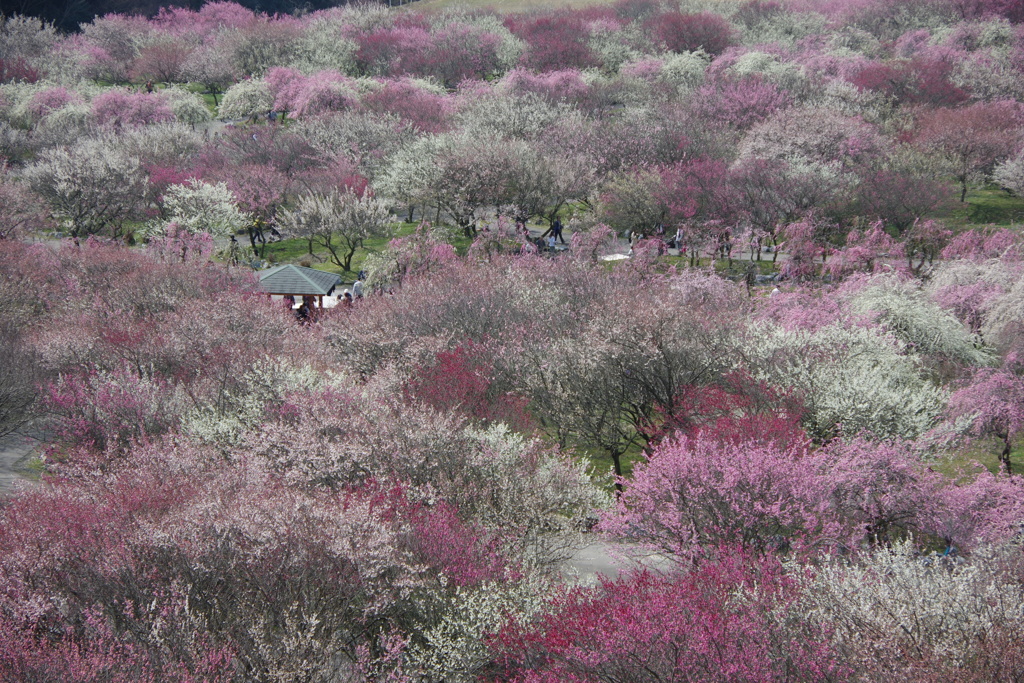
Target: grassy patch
985	205
33	468
297	249
208	99
983	453
602	466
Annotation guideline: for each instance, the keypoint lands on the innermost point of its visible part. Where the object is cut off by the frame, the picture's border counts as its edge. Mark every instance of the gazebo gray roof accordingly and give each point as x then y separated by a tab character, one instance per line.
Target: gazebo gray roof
290	279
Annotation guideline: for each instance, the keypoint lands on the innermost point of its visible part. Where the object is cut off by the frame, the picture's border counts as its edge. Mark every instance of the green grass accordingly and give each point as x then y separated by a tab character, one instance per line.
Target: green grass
296	250
32	468
984	453
601	463
985	205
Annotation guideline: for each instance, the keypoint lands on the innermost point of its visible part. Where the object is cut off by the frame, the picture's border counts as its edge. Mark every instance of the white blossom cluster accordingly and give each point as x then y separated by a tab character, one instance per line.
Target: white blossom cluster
930	605
852	380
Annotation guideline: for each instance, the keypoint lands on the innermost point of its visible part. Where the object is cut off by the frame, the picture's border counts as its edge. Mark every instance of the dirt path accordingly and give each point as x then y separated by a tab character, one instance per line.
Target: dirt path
16	451
599	557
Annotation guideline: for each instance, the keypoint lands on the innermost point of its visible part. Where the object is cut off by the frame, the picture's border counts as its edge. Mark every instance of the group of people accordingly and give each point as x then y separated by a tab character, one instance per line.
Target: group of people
548	239
308	312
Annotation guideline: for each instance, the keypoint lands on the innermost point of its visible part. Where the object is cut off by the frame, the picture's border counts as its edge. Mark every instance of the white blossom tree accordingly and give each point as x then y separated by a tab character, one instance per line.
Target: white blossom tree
246	99
92	187
188	107
1010	174
211	66
199	207
896	609
851	379
340	222
904	310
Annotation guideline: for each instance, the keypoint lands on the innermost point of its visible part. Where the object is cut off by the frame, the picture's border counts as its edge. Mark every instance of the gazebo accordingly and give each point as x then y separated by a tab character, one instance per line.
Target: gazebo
297	281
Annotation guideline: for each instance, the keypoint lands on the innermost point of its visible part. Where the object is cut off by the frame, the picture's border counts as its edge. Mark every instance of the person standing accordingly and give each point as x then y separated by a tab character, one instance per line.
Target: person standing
556	230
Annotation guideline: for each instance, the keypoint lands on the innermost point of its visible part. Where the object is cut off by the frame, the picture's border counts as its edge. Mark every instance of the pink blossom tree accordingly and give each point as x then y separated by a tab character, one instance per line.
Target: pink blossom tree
300	568
739	103
697	495
426	110
971	139
161	61
116	108
992	404
862	251
807	242
51	99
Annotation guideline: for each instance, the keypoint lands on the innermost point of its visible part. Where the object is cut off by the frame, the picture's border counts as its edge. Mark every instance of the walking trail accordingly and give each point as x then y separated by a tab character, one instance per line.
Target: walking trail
16	451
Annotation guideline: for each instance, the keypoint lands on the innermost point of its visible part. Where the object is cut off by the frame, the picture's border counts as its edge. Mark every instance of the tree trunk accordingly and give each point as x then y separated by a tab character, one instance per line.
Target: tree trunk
617	467
1004	457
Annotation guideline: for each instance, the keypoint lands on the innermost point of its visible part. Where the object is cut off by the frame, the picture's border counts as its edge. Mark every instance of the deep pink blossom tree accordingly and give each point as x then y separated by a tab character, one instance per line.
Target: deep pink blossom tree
461	51
17	70
381	52
555	41
899	199
698	199
462	380
679	32
922	80
632	628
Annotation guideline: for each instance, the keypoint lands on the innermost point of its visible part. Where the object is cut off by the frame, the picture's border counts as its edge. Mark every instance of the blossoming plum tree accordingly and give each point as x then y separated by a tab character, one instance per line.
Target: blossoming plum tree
92	188
345	217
